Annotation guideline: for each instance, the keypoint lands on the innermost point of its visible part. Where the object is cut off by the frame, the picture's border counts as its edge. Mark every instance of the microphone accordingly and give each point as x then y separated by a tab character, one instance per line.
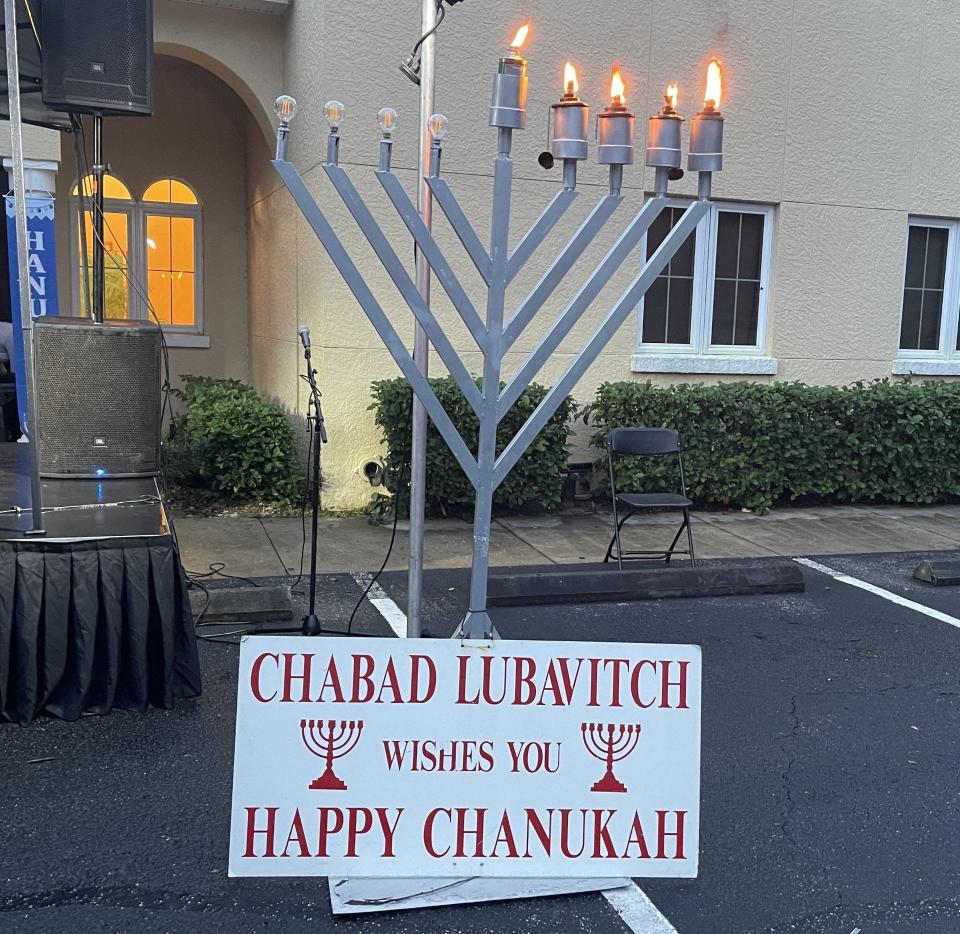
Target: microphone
305	338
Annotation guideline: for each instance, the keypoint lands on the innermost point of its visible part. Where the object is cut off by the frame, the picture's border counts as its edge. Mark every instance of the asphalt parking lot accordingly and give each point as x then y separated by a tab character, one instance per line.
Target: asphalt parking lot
830	781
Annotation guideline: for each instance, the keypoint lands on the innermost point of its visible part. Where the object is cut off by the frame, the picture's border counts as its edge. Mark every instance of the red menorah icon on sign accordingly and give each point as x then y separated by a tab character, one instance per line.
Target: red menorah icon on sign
327	740
610	743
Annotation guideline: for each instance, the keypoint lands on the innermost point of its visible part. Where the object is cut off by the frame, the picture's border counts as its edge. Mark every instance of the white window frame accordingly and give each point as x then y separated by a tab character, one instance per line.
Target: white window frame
945	360
700	355
137	211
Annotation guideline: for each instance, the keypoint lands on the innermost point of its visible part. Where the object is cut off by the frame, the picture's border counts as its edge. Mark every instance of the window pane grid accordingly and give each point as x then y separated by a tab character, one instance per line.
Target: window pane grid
164	255
668	305
924	287
736	297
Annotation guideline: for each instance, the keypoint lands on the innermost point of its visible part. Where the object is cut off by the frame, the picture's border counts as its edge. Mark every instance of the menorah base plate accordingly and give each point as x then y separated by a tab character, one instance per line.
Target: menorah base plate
328	782
609	782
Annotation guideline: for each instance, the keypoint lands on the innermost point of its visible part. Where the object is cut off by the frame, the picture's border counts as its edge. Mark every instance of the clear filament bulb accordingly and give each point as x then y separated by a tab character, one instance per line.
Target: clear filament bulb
387	119
438	125
334	112
286	108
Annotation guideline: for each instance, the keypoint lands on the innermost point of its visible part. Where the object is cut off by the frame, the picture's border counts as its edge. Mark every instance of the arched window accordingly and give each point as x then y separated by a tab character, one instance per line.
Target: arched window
153	253
172	221
117	224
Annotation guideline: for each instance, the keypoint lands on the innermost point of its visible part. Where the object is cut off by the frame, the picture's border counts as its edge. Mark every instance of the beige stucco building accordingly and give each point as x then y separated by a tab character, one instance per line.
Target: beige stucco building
840	136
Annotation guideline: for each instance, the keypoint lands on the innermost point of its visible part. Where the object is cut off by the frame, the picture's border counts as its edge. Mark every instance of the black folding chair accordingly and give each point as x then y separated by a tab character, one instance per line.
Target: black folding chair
647	442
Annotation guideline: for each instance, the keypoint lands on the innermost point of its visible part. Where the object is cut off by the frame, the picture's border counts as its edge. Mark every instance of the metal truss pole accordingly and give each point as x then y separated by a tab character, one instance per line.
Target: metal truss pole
421	345
23	260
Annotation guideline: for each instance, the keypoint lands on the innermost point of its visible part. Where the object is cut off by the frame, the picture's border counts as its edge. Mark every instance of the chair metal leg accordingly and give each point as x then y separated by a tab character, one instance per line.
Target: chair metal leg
616	538
676	538
686	522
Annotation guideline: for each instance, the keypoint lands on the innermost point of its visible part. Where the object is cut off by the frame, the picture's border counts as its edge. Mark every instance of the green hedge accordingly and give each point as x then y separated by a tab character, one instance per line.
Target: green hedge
753	445
536	480
230	442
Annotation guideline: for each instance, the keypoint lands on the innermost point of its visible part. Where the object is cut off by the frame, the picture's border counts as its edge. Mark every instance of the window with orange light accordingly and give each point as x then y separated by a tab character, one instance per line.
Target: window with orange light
170	218
152	253
117	217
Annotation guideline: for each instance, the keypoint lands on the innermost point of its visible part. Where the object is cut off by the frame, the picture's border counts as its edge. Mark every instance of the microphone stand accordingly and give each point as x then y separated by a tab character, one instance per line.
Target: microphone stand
311	625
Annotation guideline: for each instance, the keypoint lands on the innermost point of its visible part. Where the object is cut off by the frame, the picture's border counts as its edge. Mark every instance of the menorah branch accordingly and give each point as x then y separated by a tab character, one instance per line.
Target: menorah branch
461	225
558	270
539	231
438	263
581	302
404	283
610	325
371	308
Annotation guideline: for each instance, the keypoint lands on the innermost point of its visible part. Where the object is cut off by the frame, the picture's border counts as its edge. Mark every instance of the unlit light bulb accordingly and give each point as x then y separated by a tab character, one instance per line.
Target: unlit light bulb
438	125
387	119
334	112
286	108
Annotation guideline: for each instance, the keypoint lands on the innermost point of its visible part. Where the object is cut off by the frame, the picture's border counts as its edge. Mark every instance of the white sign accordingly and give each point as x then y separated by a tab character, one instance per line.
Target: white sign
367	757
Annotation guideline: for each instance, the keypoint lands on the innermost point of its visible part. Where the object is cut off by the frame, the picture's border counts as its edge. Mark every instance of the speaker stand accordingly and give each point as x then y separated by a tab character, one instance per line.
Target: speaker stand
311	624
99	169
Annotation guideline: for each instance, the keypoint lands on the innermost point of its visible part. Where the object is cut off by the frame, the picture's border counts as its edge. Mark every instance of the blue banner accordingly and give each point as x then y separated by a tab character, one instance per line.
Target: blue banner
41	245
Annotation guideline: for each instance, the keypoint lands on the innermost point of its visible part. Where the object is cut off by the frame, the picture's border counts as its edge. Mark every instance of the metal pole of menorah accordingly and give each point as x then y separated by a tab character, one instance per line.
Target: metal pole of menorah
495	332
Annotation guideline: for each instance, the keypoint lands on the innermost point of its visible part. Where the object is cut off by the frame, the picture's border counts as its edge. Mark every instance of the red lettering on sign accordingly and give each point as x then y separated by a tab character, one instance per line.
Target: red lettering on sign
289	676
363	677
635	683
255	676
253	831
601	836
637	839
388	830
667	684
416	662
297	833
463	831
331	823
676	833
428	832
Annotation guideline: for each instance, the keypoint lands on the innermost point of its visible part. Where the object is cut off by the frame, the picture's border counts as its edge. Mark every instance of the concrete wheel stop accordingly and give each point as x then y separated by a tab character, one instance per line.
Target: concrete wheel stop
608	585
938	573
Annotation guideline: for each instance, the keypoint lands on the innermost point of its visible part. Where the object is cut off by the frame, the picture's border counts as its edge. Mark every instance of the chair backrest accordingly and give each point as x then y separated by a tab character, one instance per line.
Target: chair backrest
643	441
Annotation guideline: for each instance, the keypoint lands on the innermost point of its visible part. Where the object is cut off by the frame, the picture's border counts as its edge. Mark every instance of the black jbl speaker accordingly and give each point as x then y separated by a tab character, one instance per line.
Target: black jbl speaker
98	56
98	398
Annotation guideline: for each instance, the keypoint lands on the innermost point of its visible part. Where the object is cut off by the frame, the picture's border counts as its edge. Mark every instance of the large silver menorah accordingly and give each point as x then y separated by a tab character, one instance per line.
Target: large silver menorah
495	333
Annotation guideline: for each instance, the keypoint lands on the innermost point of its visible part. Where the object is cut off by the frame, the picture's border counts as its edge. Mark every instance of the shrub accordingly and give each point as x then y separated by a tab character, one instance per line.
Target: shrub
752	445
536	480
230	442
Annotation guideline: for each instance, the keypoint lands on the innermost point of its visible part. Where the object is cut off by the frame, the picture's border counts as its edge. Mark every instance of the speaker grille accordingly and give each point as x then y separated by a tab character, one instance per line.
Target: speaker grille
98	55
98	398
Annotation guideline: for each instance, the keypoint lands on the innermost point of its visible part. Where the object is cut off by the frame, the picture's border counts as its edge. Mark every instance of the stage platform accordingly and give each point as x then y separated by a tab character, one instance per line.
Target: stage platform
94	613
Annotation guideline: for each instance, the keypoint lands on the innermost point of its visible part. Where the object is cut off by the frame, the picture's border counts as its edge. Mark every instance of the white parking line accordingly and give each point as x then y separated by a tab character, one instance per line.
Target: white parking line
637	911
880	592
630	901
395	617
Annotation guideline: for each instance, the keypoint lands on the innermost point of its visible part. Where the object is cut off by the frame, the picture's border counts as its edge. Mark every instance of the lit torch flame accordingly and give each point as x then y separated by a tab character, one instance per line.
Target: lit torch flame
617	89
570	84
711	99
520	37
670	96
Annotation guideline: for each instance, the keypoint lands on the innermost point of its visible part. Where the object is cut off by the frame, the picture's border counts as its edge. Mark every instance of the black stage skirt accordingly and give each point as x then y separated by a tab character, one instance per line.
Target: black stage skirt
90	626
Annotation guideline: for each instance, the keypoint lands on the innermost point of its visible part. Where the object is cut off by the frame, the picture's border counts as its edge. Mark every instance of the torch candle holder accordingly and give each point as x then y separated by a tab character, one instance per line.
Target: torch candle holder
496	332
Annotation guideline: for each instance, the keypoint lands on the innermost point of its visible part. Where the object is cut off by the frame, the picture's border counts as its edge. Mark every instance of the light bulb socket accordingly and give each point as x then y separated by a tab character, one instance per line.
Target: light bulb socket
664	149
706	142
508	105
283	135
615	127
571	126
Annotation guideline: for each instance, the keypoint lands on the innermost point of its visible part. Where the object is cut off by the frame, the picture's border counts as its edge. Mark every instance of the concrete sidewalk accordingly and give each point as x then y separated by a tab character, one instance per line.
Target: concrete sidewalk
268	547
